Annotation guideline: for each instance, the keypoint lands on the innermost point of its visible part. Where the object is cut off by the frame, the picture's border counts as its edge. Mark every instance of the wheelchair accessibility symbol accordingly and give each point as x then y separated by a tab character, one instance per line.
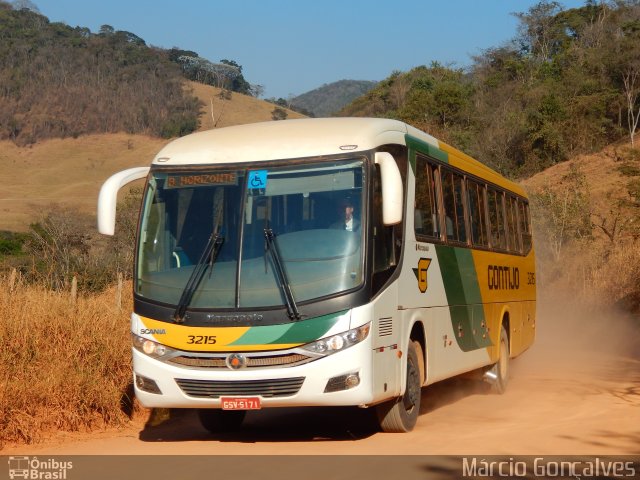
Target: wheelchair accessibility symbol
257	179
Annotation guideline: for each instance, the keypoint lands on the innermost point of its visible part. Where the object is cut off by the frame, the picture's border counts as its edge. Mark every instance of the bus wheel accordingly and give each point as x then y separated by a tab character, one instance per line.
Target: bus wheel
221	421
401	414
500	371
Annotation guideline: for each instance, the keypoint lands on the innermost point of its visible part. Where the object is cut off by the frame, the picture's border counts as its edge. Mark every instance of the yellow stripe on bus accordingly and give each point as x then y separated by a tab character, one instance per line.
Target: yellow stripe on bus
468	164
205	339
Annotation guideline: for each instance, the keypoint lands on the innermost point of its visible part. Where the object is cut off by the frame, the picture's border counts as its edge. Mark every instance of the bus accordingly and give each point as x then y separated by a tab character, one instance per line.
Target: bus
322	262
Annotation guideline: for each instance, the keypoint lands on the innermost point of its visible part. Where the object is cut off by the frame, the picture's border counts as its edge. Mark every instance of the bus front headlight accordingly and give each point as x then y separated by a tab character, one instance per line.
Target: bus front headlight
339	342
149	347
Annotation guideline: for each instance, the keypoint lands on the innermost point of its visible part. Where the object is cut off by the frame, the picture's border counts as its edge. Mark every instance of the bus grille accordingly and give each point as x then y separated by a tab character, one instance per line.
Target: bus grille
279	387
287	360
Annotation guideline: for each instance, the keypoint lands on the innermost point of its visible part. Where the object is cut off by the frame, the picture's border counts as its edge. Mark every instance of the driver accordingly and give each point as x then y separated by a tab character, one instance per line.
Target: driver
347	221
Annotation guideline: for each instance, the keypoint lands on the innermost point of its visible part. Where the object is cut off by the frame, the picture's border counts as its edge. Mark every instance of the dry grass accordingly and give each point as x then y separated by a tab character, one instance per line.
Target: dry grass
594	272
605	181
62	366
240	109
612	274
68	172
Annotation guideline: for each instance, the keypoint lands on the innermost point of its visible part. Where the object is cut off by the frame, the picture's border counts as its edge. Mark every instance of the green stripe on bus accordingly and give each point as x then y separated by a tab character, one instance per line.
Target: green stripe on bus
309	330
468	276
451	275
262	335
426	148
473	296
463	296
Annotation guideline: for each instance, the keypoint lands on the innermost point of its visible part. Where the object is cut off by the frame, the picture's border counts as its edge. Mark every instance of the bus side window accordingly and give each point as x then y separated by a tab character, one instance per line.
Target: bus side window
458	193
512	225
525	225
477	215
384	253
426	206
383	234
496	219
455	228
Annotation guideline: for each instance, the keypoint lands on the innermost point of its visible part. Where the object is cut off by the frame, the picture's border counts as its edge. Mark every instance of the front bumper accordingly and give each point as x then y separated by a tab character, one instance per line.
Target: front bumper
296	386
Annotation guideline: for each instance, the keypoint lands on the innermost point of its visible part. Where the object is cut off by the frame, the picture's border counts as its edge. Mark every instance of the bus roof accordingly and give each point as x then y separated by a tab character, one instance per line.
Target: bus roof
309	137
285	139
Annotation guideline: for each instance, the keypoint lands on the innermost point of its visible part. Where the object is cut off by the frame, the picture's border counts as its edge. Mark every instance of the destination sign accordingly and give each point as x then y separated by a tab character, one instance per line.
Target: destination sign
202	180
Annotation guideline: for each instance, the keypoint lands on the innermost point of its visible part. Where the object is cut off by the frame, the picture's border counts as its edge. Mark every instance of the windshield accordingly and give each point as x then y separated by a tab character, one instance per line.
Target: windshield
312	213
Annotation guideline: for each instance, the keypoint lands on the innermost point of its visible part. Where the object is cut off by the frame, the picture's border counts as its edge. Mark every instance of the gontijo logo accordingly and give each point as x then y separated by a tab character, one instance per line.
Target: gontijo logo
34	468
421	273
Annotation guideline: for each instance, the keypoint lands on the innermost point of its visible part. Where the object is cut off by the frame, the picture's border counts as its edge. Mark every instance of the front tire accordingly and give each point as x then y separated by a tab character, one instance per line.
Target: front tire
501	367
401	414
221	421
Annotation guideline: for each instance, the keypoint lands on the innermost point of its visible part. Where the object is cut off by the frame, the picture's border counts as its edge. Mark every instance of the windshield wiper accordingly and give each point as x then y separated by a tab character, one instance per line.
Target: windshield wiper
207	259
283	281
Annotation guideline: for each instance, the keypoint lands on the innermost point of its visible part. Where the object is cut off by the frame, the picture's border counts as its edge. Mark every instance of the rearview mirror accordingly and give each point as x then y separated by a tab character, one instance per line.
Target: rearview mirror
391	188
108	198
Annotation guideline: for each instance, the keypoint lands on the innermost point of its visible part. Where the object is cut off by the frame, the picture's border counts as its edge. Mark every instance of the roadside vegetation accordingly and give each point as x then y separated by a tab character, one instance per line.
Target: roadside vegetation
64	365
65	298
64	245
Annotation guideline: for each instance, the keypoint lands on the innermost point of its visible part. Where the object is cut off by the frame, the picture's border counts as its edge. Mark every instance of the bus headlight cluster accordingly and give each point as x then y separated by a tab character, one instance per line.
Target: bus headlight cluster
341	341
149	347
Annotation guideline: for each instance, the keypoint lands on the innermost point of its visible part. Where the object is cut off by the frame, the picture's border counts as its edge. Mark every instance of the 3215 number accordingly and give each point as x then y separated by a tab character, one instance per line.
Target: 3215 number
201	339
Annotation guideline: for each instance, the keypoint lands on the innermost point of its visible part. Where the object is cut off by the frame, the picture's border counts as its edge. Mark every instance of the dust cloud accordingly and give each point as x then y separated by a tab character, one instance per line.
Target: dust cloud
576	338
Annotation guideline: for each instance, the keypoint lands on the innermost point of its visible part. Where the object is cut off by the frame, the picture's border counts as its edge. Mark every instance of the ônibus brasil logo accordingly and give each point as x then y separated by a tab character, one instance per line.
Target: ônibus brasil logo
34	468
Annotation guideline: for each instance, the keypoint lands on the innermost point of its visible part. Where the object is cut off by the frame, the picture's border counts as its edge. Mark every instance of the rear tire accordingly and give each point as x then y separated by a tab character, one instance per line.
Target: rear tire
401	414
501	368
221	421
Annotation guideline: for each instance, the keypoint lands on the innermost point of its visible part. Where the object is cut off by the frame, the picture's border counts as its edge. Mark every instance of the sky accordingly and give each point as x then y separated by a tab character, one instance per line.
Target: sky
293	46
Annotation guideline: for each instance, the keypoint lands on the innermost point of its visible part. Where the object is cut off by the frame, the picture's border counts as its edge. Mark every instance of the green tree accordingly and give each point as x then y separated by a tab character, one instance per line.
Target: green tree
540	33
238	83
106	30
279	114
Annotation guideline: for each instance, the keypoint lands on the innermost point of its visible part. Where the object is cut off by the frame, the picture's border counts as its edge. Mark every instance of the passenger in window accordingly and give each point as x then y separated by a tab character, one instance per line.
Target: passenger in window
347	219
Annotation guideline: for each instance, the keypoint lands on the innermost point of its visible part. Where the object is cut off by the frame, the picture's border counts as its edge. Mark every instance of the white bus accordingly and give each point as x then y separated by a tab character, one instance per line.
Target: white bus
320	262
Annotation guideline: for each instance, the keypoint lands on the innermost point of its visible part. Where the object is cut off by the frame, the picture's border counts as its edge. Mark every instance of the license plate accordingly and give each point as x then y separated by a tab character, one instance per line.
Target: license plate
240	403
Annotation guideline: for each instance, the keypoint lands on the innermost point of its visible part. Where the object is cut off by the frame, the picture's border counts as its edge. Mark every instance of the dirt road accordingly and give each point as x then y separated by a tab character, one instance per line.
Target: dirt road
578	396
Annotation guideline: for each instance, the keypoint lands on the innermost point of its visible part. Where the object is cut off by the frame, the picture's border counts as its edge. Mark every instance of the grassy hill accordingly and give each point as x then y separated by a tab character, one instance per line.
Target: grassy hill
70	171
66	172
237	110
607	174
